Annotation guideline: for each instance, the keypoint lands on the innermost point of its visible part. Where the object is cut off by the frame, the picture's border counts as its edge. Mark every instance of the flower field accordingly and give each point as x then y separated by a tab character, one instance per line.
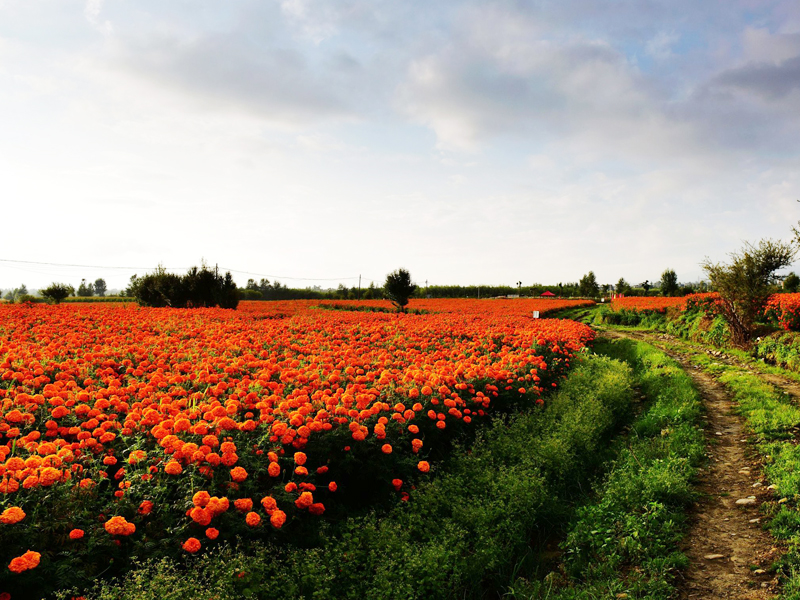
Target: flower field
647	303
785	309
129	432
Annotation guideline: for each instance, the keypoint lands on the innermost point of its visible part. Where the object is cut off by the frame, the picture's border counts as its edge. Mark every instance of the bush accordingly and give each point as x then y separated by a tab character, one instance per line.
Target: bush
198	288
56	292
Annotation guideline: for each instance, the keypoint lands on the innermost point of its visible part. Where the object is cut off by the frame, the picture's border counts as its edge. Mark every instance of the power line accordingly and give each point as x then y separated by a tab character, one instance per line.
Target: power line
52	264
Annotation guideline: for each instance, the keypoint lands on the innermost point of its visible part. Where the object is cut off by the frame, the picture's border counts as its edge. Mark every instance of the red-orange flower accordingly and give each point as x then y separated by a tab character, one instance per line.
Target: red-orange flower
277	519
252	519
191	545
11	515
119	526
424	466
76	534
29	560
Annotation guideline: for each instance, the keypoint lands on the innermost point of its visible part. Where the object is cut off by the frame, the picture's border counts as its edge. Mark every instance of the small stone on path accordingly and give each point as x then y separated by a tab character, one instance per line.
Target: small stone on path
713	556
746	501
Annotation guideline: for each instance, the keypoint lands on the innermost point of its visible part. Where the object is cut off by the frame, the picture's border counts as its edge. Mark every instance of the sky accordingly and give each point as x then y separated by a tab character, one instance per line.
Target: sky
313	141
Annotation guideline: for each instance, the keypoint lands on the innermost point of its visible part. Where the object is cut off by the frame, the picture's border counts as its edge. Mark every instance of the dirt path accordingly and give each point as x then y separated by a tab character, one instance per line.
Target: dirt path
729	553
787	386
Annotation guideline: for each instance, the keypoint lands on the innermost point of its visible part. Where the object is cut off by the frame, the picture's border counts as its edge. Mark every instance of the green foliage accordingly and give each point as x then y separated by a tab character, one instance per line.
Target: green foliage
781	349
624	543
669	283
100	287
588	285
791	283
198	288
85	289
745	284
622	287
398	288
630	318
56	292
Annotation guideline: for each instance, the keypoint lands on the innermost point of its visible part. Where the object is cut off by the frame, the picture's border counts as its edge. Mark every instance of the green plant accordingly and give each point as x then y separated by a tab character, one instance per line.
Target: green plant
398	288
56	292
745	284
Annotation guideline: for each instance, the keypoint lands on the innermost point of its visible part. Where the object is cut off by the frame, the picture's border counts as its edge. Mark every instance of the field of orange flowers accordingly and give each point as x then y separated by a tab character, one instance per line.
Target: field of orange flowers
785	309
647	303
129	432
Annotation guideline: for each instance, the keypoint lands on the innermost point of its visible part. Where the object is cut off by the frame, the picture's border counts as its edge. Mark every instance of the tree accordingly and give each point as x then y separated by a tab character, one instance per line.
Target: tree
56	292
744	285
646	286
588	285
622	286
100	287
791	282
398	288
669	283
85	289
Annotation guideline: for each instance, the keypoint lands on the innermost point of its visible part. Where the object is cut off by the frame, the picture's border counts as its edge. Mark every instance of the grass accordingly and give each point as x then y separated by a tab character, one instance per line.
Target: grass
622	543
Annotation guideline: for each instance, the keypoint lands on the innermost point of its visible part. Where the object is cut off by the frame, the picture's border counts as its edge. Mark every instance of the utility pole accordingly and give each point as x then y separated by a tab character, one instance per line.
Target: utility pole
426	288
359	286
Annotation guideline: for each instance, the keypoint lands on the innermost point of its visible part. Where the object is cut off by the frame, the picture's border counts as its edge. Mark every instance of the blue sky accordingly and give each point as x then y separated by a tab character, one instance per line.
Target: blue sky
469	142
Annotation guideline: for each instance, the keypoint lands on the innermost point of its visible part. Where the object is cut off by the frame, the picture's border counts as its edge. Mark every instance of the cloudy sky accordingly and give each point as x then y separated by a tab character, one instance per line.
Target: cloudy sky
470	142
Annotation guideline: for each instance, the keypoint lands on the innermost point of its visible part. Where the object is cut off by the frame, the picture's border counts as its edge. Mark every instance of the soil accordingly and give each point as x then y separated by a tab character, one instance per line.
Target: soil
729	552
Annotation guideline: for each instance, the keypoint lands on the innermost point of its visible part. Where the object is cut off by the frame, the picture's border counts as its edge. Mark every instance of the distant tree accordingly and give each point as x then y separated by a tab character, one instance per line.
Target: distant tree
100	287
85	289
56	292
588	285
791	283
623	287
15	294
669	283
370	292
744	285
605	288
200	287
398	288
646	286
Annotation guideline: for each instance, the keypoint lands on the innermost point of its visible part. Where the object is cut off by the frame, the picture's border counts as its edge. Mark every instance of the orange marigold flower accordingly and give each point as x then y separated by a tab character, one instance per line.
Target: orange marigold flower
119	526
173	467
212	533
76	534
305	500
317	508
146	507
29	560
300	458
201	516
243	504
191	545
201	498
290	487
252	519
12	515
424	466
302	471
413	429
269	504
274	469
332	486
386	448
397	484
277	519
238	474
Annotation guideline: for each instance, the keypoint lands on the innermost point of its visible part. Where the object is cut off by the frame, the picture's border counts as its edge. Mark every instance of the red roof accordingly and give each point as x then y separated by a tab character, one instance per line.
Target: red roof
548	293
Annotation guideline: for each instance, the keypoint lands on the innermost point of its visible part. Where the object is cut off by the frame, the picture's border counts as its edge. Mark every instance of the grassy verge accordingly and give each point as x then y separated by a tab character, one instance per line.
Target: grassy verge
466	533
623	543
